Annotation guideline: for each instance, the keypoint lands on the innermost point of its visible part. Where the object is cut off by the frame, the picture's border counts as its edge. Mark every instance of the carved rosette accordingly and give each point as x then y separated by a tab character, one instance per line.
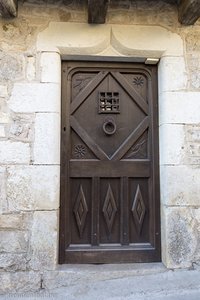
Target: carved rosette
79	151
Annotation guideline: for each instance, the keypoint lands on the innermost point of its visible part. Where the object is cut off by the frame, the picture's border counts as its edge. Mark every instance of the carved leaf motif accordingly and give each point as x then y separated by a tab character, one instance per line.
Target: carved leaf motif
80	82
137	149
138	210
138	81
109	208
80	211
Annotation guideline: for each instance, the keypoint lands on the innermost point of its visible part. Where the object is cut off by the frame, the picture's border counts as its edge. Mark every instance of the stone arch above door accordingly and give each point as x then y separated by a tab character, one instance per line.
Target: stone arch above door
114	40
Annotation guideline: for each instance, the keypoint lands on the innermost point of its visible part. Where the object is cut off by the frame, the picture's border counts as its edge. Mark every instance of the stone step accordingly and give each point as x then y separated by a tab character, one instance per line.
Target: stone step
116	282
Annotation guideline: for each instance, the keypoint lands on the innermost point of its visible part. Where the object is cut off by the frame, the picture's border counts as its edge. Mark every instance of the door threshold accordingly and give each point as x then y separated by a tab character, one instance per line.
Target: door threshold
124	268
69	275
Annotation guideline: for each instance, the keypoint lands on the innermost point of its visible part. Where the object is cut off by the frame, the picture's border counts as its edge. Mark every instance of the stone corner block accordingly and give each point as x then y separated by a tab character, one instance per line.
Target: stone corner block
180	185
14	152
179	107
35	97
44	241
12	262
172	75
33	188
46	148
171	144
181	237
13	241
19	282
50	67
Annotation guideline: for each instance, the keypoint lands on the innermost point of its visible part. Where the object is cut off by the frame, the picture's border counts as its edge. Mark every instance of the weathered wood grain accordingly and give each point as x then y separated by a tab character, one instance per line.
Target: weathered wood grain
189	11
8	8
97	10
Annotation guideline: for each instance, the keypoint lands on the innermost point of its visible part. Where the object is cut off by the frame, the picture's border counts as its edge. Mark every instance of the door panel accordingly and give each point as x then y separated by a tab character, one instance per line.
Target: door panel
109	164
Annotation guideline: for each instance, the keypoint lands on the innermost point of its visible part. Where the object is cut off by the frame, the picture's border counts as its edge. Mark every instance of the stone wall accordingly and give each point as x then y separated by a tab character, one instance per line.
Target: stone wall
30	48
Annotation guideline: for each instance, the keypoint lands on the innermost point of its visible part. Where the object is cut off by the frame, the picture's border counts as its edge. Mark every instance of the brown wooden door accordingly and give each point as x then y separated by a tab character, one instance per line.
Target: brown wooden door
109	164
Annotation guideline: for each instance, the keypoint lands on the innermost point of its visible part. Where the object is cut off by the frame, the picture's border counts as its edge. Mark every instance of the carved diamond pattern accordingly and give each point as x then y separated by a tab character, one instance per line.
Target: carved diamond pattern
80	211
138	210
109	208
109	102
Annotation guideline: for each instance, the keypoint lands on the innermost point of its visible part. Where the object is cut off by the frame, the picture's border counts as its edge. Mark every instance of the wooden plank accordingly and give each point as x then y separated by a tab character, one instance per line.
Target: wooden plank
189	11
131	139
95	211
8	8
97	10
137	253
124	222
65	224
87	139
87	91
93	168
131	91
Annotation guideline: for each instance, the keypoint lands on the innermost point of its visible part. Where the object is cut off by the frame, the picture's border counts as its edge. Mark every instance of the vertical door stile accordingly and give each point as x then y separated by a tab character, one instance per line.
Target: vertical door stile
65	231
124	211
151	182
155	161
67	133
95	211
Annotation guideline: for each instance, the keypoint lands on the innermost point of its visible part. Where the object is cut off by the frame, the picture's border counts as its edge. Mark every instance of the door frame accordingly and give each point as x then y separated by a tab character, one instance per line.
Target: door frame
122	41
64	106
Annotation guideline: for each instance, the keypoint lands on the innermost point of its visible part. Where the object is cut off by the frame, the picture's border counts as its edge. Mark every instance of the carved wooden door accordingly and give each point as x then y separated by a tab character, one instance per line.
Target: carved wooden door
109	165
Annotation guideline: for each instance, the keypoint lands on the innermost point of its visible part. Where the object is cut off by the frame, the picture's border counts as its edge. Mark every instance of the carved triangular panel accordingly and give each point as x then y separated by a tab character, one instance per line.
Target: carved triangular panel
109	209
80	210
79	150
139	83
80	81
139	150
138	209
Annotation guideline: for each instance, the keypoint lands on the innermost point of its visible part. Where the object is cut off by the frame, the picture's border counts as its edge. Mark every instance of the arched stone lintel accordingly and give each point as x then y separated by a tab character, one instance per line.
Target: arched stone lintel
116	40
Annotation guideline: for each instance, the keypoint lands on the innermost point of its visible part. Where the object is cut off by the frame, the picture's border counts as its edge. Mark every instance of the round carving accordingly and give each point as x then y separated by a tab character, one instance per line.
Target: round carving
79	151
109	127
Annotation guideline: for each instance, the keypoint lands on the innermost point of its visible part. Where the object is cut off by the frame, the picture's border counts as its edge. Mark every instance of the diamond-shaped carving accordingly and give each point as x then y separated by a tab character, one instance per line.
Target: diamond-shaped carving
138	210
128	128
80	210
109	208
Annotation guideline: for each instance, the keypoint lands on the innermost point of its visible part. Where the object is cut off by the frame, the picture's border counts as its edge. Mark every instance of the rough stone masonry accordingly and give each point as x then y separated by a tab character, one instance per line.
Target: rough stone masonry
30	49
